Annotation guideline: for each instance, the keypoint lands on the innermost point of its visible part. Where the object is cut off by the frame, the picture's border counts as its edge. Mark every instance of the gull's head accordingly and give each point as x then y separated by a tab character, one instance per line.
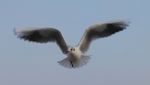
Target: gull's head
71	49
75	51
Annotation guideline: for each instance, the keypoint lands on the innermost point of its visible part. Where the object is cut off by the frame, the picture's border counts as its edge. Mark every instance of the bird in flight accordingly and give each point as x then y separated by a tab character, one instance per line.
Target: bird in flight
76	56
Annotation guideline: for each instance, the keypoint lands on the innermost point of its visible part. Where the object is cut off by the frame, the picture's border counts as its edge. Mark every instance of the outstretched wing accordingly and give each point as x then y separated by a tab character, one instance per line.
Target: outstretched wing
100	31
44	35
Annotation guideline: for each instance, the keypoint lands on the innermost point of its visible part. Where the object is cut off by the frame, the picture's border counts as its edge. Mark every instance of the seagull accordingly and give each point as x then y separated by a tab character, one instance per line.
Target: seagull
76	56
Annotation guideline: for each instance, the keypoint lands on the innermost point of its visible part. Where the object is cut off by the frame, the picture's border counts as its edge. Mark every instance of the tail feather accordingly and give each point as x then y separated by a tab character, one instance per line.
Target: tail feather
79	63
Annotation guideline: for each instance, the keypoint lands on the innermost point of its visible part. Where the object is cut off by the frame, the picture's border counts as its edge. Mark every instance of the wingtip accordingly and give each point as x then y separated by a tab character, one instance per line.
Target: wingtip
126	23
123	24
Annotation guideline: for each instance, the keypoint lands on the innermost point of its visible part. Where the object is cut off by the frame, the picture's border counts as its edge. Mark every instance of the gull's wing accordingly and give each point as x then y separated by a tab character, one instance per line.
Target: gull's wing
43	35
100	31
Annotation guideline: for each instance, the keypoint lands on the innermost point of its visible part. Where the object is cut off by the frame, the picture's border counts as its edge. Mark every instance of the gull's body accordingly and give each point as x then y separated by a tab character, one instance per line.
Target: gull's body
76	56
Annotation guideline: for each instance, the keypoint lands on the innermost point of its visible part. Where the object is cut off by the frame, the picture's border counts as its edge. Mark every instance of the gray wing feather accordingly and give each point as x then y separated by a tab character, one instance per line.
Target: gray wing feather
44	35
100	31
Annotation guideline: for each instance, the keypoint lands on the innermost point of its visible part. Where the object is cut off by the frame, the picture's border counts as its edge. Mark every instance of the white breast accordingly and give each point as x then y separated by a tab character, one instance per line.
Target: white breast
77	57
77	52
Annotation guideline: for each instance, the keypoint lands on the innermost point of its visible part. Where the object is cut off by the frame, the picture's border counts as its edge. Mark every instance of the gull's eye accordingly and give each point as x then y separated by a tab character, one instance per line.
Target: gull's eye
72	49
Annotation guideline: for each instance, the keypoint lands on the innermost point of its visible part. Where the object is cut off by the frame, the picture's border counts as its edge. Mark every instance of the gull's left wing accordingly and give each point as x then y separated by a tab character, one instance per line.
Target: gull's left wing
100	31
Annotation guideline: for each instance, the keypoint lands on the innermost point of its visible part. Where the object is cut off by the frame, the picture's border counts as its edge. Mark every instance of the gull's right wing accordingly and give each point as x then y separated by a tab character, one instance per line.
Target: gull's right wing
43	35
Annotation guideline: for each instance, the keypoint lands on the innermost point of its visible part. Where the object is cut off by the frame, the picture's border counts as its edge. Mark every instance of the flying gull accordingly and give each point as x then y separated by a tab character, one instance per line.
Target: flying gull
76	56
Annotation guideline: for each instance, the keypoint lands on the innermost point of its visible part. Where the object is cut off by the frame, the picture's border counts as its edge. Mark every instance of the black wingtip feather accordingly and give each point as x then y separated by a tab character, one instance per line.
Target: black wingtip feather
35	36
116	27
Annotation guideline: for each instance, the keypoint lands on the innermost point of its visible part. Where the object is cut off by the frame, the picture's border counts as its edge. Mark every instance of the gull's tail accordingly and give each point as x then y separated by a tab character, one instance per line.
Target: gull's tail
76	64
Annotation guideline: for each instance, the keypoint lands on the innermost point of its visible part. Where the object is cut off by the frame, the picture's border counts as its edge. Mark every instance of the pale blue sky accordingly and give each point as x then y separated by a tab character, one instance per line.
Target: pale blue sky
122	59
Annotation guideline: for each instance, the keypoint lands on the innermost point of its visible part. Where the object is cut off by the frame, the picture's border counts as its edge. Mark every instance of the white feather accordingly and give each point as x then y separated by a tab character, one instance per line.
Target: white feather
79	63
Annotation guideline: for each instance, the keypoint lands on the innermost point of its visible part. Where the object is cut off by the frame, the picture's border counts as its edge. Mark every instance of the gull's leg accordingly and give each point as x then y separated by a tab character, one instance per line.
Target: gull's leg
71	63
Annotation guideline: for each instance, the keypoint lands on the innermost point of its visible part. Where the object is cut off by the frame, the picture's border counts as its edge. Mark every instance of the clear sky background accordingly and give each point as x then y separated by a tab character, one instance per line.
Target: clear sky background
122	59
